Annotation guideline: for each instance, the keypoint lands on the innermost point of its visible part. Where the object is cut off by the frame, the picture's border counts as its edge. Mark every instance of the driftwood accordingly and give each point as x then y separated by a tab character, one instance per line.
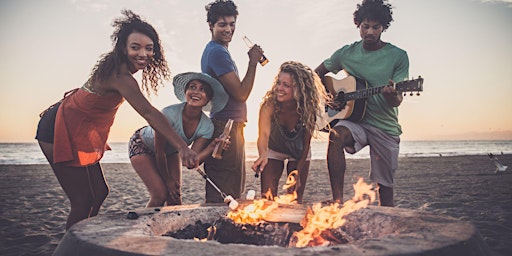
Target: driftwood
293	213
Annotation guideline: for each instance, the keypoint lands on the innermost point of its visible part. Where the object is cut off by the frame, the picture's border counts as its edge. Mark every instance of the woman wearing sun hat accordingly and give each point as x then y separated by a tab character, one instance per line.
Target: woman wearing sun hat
156	161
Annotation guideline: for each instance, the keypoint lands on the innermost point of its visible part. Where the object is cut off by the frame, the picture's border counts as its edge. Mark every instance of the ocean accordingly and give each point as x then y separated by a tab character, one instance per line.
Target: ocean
29	153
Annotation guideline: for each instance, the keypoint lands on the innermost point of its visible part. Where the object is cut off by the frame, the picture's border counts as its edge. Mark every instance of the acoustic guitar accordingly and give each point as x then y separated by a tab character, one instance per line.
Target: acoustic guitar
351	94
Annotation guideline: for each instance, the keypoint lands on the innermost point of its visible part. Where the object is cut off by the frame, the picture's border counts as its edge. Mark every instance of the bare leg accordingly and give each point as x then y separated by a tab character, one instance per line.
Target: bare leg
303	177
385	196
338	139
75	183
99	187
270	177
145	167
174	184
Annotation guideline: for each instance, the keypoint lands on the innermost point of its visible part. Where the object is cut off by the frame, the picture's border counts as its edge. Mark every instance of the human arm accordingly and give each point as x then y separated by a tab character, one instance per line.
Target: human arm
400	73
241	89
264	120
393	98
161	156
128	87
321	70
306	139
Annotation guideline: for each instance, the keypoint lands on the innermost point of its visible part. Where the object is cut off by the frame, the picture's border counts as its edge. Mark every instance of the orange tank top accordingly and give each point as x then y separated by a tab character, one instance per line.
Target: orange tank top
82	126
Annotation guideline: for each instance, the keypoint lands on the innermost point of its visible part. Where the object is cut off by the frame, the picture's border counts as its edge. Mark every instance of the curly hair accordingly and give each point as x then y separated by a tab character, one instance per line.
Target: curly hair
110	63
220	8
309	93
375	10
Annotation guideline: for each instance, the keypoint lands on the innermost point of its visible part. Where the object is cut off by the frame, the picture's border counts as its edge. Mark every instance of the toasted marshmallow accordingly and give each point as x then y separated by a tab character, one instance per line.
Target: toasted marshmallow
251	194
232	203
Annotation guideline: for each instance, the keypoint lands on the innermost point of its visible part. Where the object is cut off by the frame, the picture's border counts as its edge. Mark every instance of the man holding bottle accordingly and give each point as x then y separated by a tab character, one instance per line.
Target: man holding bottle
229	172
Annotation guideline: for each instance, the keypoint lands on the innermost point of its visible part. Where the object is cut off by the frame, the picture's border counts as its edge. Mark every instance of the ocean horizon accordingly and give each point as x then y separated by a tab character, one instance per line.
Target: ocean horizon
29	153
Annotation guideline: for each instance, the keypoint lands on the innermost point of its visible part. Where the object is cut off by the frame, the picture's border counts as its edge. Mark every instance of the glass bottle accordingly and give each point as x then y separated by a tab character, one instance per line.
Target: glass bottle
263	60
219	148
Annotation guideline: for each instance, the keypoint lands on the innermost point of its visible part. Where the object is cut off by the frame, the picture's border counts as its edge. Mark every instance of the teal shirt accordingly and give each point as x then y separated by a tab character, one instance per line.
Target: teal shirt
174	114
377	68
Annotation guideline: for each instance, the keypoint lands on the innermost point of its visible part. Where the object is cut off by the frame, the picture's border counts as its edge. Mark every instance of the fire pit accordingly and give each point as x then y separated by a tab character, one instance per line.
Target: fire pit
372	231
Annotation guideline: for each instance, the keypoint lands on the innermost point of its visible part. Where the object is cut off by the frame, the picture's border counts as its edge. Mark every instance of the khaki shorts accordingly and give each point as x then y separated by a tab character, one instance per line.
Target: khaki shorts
384	150
282	156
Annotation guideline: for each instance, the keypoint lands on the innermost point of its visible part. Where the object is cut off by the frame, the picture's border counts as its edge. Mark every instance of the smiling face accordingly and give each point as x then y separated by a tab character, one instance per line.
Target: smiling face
285	86
198	93
139	51
223	29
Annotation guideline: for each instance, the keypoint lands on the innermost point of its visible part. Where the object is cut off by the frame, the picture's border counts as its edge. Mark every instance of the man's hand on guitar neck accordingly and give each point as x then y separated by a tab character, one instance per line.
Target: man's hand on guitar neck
393	97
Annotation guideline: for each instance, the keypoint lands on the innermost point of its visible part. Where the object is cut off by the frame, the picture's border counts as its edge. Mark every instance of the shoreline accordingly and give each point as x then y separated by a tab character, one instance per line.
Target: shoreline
34	207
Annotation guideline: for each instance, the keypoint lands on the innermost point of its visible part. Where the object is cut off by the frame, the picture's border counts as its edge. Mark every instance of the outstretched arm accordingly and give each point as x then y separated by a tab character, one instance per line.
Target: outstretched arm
128	87
264	120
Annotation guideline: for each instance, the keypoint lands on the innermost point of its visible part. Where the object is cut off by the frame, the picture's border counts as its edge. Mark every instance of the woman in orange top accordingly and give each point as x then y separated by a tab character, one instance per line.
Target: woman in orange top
73	133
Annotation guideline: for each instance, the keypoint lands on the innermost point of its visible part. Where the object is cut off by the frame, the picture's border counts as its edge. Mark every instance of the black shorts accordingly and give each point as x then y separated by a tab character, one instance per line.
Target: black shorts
46	125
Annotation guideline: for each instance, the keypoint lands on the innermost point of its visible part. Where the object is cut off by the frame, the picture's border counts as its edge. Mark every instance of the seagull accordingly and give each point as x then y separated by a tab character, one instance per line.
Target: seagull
499	166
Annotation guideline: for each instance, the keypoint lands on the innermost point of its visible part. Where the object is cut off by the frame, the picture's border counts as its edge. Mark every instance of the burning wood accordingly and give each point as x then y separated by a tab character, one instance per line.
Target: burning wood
319	219
273	209
265	222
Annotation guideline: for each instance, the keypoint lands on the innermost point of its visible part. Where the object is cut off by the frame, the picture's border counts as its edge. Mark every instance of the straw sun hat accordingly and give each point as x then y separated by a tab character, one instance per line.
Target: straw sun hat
219	99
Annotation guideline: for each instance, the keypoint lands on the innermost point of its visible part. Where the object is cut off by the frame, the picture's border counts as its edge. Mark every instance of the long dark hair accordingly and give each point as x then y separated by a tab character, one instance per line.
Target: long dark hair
155	71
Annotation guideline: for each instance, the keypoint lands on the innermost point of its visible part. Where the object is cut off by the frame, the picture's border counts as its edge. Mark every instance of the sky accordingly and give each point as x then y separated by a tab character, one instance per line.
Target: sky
462	49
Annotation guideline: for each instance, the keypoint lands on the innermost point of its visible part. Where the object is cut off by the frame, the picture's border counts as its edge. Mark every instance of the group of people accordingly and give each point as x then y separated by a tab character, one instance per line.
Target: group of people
73	132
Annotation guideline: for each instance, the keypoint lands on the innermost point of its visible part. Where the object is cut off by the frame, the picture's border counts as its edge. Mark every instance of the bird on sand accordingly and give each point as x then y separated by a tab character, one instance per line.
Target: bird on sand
499	166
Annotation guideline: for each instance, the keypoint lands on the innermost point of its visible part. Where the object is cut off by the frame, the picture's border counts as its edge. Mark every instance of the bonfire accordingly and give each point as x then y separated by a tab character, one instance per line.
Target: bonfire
315	220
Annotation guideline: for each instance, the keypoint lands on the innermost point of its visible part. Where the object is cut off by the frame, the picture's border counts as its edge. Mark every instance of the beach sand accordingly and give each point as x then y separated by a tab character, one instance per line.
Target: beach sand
34	207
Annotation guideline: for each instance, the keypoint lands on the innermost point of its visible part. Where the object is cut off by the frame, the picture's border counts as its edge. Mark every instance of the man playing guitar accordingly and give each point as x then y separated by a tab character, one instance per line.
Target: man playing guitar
378	63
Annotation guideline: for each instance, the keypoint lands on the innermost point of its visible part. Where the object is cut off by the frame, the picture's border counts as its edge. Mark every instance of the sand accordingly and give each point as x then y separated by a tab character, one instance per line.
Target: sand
34	208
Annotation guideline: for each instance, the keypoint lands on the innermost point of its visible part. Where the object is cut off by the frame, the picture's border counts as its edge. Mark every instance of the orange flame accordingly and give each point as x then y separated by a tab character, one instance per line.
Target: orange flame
252	213
332	216
258	210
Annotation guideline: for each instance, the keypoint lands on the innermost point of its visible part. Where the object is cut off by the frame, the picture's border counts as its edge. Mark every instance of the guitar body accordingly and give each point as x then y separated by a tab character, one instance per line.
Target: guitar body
351	95
354	109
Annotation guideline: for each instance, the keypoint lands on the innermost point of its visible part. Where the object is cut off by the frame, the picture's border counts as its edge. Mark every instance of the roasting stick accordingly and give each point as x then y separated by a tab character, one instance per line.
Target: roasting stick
251	193
228	199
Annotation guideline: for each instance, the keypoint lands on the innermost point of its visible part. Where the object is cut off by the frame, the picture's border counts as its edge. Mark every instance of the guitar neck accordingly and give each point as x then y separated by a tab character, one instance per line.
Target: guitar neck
364	93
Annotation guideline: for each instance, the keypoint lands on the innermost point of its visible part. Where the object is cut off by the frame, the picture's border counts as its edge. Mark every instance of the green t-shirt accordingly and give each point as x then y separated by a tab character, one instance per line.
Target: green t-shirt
376	67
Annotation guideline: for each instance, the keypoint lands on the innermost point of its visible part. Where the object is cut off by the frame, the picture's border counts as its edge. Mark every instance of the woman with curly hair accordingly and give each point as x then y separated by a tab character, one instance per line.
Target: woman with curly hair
287	121
73	133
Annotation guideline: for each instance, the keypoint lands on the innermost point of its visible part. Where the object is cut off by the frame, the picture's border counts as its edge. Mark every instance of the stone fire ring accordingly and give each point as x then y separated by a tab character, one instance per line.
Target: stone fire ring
404	232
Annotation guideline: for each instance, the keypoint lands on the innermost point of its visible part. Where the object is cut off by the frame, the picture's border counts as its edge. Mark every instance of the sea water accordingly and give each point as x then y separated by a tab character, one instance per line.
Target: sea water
29	153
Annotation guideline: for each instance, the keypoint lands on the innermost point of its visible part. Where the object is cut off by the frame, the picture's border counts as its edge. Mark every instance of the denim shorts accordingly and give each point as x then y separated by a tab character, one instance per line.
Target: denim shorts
46	125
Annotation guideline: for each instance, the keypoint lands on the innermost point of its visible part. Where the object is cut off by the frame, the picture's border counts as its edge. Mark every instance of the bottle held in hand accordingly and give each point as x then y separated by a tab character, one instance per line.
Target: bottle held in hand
219	148
263	60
